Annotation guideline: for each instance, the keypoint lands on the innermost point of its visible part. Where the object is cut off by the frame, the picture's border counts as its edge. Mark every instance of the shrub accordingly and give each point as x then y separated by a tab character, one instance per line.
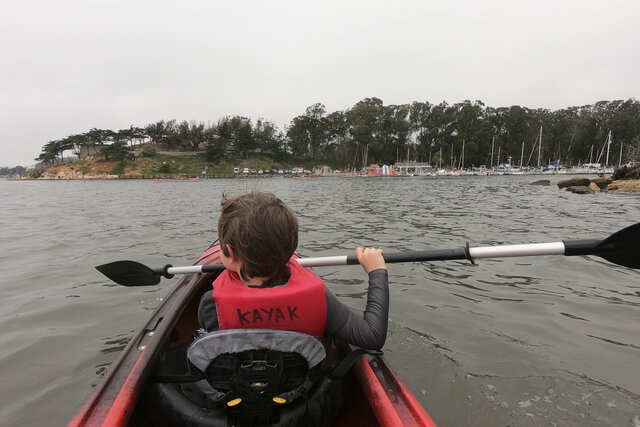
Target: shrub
627	172
149	151
117	151
36	173
164	168
215	153
118	169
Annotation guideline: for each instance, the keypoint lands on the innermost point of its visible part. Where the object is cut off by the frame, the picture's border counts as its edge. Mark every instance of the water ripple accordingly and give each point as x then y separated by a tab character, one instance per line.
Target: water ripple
506	341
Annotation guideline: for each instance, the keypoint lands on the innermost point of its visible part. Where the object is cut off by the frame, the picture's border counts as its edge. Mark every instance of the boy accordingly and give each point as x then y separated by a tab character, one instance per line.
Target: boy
263	287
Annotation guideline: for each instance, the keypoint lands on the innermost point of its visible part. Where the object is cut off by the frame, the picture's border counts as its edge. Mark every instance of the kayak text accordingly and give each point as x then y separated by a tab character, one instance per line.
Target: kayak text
273	314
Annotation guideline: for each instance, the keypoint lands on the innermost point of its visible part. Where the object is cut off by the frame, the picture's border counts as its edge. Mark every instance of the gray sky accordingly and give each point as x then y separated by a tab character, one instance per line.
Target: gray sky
68	66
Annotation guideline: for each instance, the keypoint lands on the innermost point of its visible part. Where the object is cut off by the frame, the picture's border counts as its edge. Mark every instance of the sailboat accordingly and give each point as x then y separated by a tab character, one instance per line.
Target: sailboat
597	166
555	167
608	142
515	170
538	169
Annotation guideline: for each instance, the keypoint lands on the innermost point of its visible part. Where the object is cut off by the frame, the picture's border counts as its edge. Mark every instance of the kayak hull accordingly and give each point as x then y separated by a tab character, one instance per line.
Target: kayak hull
376	397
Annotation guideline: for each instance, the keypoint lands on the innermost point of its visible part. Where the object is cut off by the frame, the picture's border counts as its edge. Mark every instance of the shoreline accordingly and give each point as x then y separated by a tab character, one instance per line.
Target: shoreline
626	186
105	176
168	177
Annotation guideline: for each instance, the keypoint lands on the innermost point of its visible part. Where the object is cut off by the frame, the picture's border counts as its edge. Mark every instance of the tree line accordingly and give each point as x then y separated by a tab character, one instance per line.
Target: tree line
371	132
18	170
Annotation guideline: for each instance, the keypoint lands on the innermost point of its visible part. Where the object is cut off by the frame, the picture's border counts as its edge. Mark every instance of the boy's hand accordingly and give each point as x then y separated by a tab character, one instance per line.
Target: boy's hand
370	259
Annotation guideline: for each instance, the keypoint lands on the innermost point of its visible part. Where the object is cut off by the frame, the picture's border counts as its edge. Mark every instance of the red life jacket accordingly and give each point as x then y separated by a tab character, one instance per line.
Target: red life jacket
299	305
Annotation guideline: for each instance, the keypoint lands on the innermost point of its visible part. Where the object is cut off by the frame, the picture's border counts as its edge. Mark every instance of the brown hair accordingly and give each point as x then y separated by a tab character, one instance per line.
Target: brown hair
261	230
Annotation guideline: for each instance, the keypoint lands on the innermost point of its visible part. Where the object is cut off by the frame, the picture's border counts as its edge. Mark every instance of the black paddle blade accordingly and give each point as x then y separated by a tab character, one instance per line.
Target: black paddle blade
129	273
622	247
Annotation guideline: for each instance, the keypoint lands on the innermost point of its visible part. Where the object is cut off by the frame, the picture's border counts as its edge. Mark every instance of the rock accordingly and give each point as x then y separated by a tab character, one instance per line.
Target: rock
579	189
594	187
628	186
601	182
578	181
541	182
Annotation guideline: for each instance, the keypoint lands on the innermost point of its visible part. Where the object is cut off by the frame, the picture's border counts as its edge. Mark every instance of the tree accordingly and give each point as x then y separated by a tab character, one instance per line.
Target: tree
214	152
157	132
172	139
118	151
632	152
365	121
215	146
50	152
18	170
470	126
419	120
245	140
337	133
269	138
137	134
189	135
237	133
440	131
308	133
372	132
393	136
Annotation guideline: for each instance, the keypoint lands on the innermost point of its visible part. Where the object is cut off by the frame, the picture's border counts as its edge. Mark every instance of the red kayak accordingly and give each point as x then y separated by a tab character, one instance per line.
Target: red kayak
134	392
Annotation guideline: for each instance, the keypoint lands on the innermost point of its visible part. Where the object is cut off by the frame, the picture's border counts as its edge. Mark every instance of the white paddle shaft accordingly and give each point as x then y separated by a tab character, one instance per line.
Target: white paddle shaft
531	249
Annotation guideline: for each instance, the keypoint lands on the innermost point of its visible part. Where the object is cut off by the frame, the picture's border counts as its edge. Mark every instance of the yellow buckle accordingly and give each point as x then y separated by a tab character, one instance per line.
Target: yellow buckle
234	402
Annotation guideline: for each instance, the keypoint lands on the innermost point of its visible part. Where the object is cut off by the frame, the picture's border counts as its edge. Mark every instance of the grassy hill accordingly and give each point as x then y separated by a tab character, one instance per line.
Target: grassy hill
170	163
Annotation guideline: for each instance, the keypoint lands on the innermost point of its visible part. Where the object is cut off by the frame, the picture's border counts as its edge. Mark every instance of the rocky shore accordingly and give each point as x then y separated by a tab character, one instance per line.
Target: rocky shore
103	170
584	185
627	185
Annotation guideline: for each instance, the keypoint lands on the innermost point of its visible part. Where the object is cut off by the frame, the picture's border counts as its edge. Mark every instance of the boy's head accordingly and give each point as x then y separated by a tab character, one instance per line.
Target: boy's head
261	230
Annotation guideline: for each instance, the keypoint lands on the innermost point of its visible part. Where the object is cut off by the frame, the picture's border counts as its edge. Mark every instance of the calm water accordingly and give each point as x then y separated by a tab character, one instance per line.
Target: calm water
523	341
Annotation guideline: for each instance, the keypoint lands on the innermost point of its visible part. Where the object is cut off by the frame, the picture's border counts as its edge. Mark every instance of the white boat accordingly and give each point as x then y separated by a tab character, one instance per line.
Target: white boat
509	169
447	172
555	168
587	168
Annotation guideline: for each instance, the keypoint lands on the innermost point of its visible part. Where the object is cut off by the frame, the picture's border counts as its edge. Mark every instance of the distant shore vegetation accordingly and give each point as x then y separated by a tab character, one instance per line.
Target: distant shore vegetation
18	170
371	132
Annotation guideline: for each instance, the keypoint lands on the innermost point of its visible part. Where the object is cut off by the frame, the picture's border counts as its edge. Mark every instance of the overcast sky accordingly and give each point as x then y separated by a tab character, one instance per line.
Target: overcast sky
68	66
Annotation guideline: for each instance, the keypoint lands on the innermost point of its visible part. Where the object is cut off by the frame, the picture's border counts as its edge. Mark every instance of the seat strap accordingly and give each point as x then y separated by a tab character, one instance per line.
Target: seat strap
346	363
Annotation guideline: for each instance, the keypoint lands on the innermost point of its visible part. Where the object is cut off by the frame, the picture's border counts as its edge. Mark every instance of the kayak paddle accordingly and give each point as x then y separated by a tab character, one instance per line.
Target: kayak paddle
622	248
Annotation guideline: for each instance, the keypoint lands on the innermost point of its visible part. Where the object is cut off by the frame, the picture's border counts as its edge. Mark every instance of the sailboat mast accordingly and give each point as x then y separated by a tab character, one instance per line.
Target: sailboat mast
452	158
602	151
620	162
609	141
522	155
493	140
540	146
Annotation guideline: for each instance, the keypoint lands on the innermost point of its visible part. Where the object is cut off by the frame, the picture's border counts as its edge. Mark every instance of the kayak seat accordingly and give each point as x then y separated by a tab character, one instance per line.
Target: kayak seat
253	372
248	377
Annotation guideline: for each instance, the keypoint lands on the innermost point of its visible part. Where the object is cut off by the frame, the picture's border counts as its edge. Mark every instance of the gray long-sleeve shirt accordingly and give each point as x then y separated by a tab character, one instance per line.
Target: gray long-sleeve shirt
368	331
